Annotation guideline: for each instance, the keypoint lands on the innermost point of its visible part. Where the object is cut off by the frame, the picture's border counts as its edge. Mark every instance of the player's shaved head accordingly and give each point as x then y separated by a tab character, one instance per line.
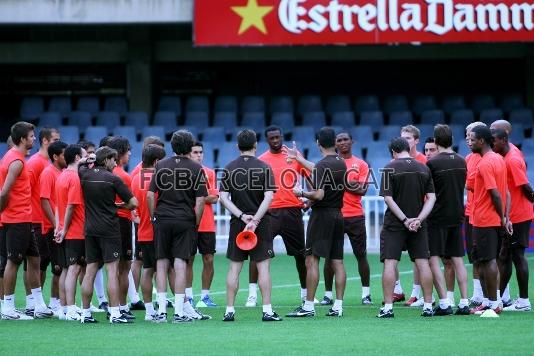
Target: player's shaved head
502	124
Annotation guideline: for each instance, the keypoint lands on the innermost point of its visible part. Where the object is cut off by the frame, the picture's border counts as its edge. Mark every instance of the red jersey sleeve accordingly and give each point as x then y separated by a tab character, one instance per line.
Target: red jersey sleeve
74	193
45	186
518	170
486	173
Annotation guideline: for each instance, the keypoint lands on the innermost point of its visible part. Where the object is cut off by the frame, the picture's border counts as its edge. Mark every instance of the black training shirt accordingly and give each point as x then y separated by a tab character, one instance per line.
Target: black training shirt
329	175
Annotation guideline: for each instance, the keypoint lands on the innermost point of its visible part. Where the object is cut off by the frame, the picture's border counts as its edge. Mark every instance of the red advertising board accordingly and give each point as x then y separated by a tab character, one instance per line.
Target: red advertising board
308	22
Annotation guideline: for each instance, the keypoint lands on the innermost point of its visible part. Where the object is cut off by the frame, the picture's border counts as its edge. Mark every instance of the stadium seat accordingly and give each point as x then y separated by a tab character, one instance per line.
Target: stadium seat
518	134
199	119
158	131
254	119
489	115
60	104
482	102
522	116
357	150
225	119
375	119
171	103
344	119
395	103
281	104
227	153
305	135
166	119
453	103
193	129
209	156
366	103
401	118
197	103
362	135
261	147
108	119
511	102
337	103
137	154
337	129
388	132
284	120
31	108
215	135
423	103
95	133
528	146
3	149
89	104
377	150
425	131
137	119
226	103
432	117
116	104
50	119
126	131
458	135
309	103
82	119
462	117
463	150
253	103
315	119
69	134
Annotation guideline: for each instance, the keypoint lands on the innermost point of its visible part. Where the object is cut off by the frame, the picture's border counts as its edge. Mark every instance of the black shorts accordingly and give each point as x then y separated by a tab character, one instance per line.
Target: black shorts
204	242
392	243
148	253
3	251
138	256
126	239
61	256
75	252
355	228
173	239
486	243
42	245
263	249
102	249
518	240
445	242
53	253
20	242
468	231
325	235
287	222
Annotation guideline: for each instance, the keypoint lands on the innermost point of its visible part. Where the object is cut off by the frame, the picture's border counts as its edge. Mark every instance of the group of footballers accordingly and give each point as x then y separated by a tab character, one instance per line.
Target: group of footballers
74	207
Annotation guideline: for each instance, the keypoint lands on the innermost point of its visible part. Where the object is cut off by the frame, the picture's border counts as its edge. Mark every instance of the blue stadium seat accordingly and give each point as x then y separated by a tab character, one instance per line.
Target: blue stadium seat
227	153
377	149
462	117
31	108
366	103
168	149
193	129
281	104
362	135
158	131
226	103
423	103
225	119
215	135
522	116
489	115
116	104
209	156
60	104
108	119
530	171
337	103
253	103
137	154
197	103
90	104
200	119
315	119
254	119
518	134
463	150
482	102
528	146
453	103
69	134
137	119
261	147
305	135
166	119
126	131
388	132
357	150
401	118
82	119
337	129
375	119
511	102
284	120
50	119
344	119
395	103
432	117
95	133
3	149
458	135
309	103
426	131
171	103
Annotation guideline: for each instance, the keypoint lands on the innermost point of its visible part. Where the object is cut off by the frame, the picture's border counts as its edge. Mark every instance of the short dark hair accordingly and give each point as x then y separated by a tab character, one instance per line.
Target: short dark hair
86	144
104	153
153	140
443	135
71	151
246	139
46	132
500	134
56	148
151	153
483	132
398	145
198	144
430	140
272	128
104	141
182	141
326	137
120	144
21	130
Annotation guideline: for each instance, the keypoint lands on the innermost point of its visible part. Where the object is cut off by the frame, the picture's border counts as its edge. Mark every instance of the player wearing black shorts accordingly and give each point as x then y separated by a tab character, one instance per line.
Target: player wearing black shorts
180	186
405	184
102	234
247	189
449	173
325	232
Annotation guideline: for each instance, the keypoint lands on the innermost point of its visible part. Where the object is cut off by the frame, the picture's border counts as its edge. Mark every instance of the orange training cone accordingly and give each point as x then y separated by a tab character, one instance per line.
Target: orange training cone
246	240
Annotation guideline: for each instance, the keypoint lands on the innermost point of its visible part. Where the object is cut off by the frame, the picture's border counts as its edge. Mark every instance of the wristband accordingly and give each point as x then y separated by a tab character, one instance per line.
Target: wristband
403	221
240	216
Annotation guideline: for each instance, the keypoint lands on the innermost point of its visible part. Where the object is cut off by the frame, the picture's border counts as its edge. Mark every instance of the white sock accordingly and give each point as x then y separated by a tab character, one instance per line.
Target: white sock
427	306
523	301
179	304
230	310
398	288
99	287
54	303
162	302
189	292
9	303
308	306
30	302
388	306
149	307
71	309
303	292
123	308
338	304
252	290
443	303
477	289
506	293
450	296
328	294
86	313
64	309
204	293
115	312
416	291
485	302
132	292
37	294
188	308
268	309
366	291
494	304
463	303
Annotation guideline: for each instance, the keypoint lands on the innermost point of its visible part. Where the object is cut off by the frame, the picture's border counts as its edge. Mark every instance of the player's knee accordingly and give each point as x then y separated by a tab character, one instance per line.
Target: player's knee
207	259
